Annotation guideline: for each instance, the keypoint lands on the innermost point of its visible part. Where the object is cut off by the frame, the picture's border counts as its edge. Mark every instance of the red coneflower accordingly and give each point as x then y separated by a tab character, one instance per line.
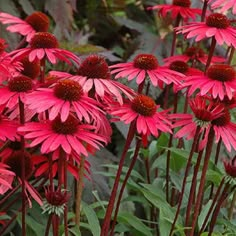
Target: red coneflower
143	110
70	135
145	65
194	53
64	97
95	78
217	26
36	22
178	7
44	45
219	81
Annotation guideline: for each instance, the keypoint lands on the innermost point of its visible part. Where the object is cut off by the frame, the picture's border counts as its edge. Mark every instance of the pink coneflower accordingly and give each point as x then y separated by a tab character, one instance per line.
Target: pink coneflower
225	130
183	68
16	89
95	78
36	22
224	5
204	111
7	67
143	110
217	26
194	53
219	81
178	7
64	97
30	69
70	135
6	178
8	129
145	65
44	45
42	166
230	167
14	161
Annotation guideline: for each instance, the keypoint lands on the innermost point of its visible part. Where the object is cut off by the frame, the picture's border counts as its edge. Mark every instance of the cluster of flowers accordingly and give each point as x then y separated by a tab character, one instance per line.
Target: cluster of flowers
51	119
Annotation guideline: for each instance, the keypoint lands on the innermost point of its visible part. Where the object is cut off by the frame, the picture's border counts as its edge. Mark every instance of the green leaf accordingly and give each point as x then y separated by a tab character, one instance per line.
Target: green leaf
214	176
135	222
92	219
203	214
134	173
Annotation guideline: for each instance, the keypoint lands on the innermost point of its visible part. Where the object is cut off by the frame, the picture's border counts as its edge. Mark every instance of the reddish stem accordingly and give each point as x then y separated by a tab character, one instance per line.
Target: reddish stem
107	219
212	206
231	55
48	225
216	161
42	70
202	180
134	159
216	211
23	187
194	146
66	206
204	9
211	52
193	187
177	22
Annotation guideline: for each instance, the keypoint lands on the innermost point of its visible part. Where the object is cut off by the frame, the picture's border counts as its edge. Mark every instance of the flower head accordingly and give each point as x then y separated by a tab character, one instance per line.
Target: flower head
217	25
14	161
36	22
70	135
230	167
94	76
145	65
219	81
55	201
30	69
224	5
225	130
143	111
194	53
204	112
8	129
178	7
44	45
64	97
6	178
16	89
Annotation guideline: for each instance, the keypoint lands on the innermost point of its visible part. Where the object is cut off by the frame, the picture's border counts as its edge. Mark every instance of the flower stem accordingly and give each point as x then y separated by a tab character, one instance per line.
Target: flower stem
202	180
107	219
193	188
79	191
216	161
204	9
231	208
23	187
216	211
177	22
211	52
212	205
66	232
231	55
134	159
42	70
194	146
48	225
